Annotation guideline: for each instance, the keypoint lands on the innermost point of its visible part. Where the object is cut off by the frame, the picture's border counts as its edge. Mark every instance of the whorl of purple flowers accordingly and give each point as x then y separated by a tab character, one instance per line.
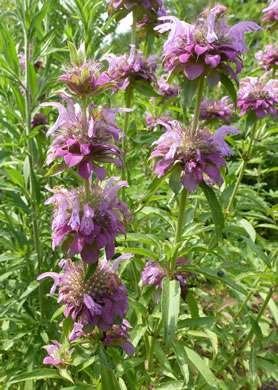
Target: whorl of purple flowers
271	12
268	58
89	224
118	335
129	4
216	109
196	155
257	95
154	123
57	355
166	89
85	144
210	45
123	70
86	80
220	11
97	301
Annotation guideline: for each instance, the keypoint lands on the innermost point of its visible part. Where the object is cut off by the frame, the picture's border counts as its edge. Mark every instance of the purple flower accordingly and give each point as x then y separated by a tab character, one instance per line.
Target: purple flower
118	335
268	58
85	144
196	155
257	95
210	46
216	109
154	123
129	4
89	224
271	12
150	19
86	80
57	355
166	89
22	60
123	70
39	119
220	11
154	274
97	301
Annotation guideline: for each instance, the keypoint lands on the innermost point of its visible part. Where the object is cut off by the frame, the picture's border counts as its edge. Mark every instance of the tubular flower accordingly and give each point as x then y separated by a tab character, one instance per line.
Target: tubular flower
196	155
216	109
150	19
129	4
85	144
268	58
118	335
39	119
154	123
207	47
220	11
271	12
166	89
89	223
96	301
154	274
57	355
86	80
123	70
257	95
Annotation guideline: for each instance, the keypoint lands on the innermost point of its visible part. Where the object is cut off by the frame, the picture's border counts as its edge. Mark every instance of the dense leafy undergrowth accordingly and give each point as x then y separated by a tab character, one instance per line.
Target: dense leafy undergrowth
192	303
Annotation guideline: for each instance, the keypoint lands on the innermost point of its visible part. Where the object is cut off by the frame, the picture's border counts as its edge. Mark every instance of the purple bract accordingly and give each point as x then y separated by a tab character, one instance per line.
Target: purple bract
39	119
154	123
123	70
85	144
129	4
86	80
271	12
268	58
89	221
255	94
196	155
57	355
118	335
207	47
97	301
216	109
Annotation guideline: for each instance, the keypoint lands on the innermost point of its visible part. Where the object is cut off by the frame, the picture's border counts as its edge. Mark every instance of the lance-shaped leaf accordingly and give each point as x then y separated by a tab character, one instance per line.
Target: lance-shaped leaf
170	305
216	212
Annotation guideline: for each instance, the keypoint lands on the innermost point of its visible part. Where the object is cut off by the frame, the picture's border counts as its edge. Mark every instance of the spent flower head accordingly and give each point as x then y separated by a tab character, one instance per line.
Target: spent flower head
91	221
258	95
208	47
196	155
97	301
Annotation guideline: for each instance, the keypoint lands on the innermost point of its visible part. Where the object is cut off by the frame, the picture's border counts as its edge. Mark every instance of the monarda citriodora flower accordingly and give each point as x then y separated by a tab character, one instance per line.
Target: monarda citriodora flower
271	12
97	301
196	154
57	355
268	58
129	4
257	95
85	144
124	70
89	222
214	109
208	47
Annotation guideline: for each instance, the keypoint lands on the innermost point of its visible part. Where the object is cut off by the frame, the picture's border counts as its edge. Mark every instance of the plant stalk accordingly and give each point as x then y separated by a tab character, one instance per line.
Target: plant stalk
243	166
154	337
198	104
211	4
33	200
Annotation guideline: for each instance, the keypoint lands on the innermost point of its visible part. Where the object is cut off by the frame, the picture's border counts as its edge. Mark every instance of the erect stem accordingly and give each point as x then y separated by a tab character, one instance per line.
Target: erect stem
243	344
84	109
243	165
211	4
128	99
198	103
33	199
183	198
133	29
154	337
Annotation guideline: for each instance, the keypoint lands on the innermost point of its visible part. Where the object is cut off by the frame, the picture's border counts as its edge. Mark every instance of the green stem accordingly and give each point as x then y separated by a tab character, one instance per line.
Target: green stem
183	198
211	4
87	190
84	109
133	29
244	343
154	338
243	166
34	206
128	99
273	72
198	103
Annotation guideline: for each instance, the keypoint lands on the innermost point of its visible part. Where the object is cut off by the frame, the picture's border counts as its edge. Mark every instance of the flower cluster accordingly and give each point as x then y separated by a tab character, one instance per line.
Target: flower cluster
97	301
195	154
155	123
268	58
255	94
85	144
271	12
123	70
57	355
216	109
220	11
208	47
129	4
166	89
90	223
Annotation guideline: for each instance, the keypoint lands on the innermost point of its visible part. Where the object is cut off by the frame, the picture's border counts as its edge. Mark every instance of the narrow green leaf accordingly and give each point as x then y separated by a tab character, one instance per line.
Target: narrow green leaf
154	187
229	86
171	385
108	379
145	88
253	369
174	181
256	328
59	311
170	306
257	250
67	326
249	228
192	304
202	322
43	373
138	251
182	359
188	89
217	215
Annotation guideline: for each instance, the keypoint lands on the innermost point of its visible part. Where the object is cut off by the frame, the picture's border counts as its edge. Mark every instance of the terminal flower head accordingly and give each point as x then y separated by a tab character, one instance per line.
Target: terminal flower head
166	89
271	12
268	58
197	155
216	109
209	47
85	144
124	70
256	94
97	301
89	223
